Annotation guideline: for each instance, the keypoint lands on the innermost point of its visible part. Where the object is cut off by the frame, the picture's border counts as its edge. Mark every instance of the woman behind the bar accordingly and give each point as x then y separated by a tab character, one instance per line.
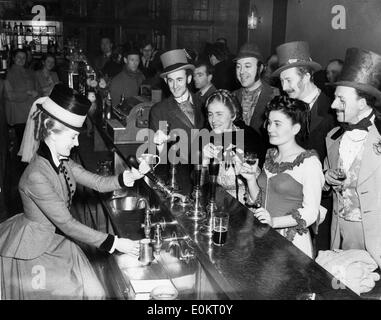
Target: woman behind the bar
225	119
290	184
46	78
39	258
20	93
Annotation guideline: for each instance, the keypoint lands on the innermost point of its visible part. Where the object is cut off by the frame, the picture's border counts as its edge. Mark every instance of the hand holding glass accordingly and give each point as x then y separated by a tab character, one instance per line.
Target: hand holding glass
341	176
250	158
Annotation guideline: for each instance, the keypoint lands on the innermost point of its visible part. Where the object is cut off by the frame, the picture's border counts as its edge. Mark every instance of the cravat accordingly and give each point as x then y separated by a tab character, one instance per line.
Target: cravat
363	124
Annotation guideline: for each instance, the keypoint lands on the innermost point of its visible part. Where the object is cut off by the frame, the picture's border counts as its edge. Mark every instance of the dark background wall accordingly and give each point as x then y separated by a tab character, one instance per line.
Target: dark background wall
180	22
311	21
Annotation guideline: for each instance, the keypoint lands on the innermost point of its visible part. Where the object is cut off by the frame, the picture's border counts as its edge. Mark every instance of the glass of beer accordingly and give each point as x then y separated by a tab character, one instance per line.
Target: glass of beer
220	228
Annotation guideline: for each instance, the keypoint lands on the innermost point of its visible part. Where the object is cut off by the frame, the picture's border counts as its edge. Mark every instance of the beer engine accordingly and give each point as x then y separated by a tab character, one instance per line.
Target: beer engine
207	227
197	211
159	185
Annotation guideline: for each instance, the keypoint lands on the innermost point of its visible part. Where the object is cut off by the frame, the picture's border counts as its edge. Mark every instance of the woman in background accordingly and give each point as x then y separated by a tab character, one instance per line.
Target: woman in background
20	93
46	78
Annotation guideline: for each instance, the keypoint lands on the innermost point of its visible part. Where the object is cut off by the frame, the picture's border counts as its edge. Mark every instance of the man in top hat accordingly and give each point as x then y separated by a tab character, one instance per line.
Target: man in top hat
296	70
181	110
355	148
255	93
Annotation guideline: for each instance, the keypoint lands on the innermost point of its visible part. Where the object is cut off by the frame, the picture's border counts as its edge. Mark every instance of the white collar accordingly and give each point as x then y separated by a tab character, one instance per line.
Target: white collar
54	157
311	98
184	97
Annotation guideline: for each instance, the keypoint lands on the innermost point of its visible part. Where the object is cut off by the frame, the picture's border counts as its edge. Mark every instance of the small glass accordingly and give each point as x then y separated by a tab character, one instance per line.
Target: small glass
220	228
250	158
340	175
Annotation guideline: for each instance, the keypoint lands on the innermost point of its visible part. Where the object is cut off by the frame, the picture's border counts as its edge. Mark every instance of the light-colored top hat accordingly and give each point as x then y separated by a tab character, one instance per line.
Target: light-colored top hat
294	54
174	60
66	106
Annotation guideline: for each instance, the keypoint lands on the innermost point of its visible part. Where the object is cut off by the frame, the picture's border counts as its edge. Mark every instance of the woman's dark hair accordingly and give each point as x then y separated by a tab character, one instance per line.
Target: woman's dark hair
43	59
15	52
297	110
48	55
227	99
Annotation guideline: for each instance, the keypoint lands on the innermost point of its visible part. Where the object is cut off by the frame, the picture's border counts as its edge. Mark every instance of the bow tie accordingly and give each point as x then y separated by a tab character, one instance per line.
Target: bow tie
363	124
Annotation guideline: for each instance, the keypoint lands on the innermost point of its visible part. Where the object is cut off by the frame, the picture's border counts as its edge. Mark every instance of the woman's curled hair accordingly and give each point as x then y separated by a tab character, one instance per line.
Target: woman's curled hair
297	110
229	100
44	125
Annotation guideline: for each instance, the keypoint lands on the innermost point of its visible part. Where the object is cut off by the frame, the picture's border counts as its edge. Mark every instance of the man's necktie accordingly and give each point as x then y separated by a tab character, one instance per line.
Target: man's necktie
363	124
187	108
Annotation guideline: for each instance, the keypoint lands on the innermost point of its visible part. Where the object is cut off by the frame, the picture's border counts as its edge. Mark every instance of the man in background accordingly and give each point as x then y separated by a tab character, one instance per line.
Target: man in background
224	73
127	82
254	93
202	77
106	64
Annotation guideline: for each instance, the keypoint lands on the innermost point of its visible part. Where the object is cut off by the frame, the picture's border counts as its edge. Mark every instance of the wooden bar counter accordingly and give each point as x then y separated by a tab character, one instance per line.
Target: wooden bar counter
256	262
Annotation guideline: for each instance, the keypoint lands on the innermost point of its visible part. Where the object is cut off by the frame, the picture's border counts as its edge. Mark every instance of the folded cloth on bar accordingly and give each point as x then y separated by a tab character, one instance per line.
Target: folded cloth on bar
354	268
143	288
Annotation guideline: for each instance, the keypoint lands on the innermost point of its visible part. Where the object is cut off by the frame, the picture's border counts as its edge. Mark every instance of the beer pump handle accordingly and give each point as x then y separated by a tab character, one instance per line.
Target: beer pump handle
133	162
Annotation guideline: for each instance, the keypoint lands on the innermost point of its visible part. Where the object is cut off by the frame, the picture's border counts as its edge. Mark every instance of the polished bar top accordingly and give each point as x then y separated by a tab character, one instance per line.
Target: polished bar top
255	263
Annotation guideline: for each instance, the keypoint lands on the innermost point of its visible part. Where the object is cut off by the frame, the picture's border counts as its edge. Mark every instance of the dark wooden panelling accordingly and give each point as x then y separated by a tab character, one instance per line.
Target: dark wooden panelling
279	23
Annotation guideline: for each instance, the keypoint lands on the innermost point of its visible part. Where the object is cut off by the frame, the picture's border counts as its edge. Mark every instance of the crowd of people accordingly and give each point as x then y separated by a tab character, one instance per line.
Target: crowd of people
305	125
314	123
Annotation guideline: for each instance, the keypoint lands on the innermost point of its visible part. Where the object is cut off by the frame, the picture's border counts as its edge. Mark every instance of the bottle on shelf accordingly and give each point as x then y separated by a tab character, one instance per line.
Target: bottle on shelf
14	35
8	34
3	57
28	36
121	101
108	106
20	36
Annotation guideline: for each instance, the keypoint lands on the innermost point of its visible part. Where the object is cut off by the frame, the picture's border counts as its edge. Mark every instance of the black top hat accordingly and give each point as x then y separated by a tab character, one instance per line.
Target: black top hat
362	71
249	50
174	60
66	106
294	54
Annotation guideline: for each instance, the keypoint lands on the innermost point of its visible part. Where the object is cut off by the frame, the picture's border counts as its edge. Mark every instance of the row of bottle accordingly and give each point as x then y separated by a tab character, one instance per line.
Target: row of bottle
37	39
